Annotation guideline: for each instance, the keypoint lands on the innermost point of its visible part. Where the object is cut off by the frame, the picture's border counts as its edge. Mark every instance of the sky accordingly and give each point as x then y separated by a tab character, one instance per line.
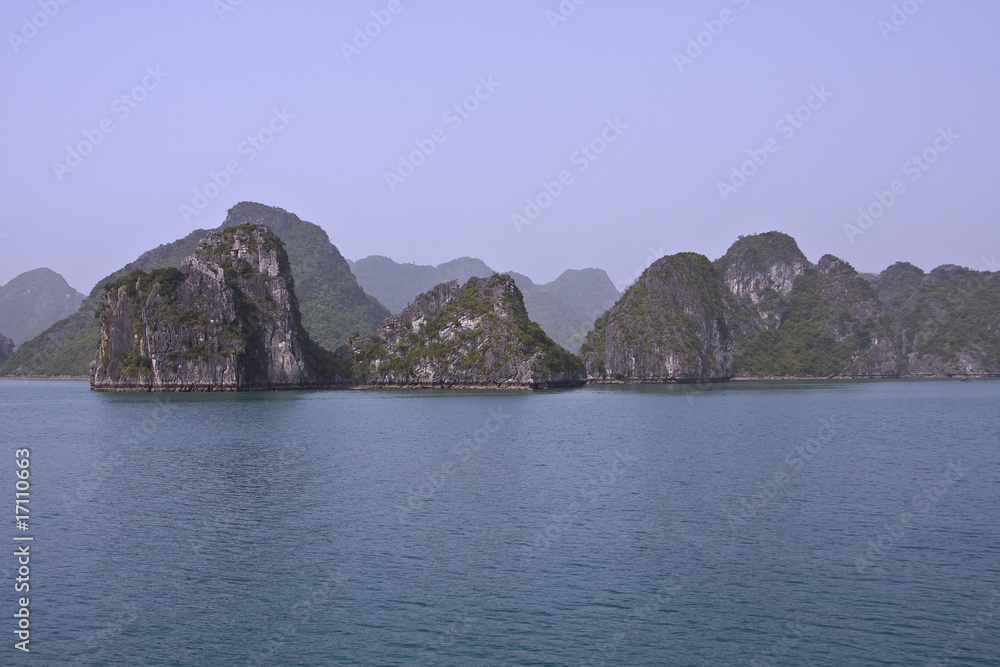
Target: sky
538	136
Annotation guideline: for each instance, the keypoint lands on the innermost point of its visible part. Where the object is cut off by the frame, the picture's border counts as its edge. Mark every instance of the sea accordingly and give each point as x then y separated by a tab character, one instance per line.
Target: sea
741	523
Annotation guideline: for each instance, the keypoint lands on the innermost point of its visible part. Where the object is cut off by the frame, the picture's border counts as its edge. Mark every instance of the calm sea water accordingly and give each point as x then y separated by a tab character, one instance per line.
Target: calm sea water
792	523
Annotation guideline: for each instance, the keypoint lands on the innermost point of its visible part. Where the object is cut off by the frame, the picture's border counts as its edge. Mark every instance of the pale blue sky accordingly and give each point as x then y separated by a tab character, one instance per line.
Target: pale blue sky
653	190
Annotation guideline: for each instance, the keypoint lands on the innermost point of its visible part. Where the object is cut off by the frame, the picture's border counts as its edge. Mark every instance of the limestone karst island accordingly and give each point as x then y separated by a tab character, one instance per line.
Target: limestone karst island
266	301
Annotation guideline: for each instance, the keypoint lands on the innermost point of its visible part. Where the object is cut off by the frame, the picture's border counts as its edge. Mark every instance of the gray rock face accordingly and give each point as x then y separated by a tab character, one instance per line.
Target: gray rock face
6	348
477	335
788	318
759	271
761	262
968	361
669	326
227	320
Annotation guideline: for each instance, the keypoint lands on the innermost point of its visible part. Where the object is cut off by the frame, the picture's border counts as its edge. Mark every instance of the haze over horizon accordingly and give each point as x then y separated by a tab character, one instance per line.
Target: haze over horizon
635	128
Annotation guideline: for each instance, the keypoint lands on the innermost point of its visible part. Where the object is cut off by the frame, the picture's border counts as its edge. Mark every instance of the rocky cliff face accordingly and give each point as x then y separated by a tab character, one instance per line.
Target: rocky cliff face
669	326
759	272
6	348
477	335
227	320
334	306
946	322
831	324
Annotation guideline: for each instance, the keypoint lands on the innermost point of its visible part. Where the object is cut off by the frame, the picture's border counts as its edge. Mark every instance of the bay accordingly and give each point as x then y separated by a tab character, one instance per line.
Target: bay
746	523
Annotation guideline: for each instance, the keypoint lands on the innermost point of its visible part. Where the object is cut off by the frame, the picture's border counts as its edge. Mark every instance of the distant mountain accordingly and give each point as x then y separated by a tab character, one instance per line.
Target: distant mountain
565	308
34	301
69	345
584	289
395	285
333	306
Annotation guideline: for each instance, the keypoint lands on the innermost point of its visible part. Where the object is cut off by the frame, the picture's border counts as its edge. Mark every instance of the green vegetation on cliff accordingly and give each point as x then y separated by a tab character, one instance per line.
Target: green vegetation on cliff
830	319
958	314
669	325
565	308
334	307
479	334
761	252
228	319
804	345
948	315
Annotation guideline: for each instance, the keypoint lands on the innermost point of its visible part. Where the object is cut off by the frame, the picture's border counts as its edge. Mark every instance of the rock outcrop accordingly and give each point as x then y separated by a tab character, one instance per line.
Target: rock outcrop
856	319
6	348
476	335
565	308
792	319
227	320
829	324
759	271
669	326
334	307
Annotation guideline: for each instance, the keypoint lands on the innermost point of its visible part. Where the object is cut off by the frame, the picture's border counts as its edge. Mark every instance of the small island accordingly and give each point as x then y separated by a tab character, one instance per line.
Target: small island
477	335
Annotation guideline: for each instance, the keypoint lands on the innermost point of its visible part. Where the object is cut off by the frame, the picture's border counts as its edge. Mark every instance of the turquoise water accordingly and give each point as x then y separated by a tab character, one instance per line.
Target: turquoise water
752	523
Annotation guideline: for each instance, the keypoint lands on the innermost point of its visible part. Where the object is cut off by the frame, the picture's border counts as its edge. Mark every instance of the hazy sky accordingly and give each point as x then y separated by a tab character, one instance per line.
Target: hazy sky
113	114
